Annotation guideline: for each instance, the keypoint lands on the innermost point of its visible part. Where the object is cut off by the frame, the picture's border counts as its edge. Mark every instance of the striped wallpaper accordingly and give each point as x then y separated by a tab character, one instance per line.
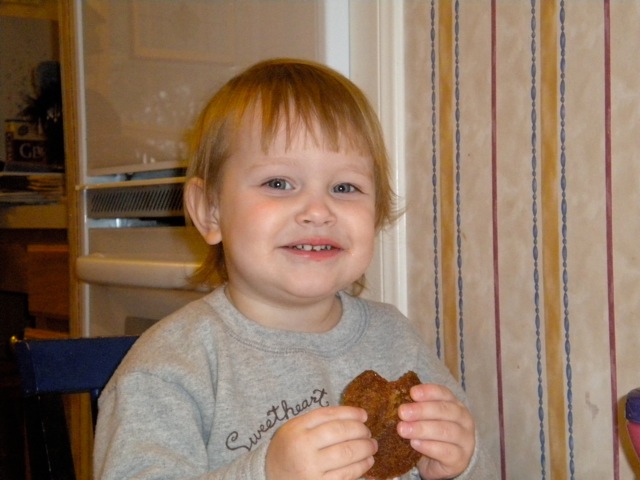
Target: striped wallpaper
523	220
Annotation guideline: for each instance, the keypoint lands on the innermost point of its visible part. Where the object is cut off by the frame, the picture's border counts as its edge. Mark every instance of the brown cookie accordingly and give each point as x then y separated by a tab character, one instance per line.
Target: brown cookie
381	399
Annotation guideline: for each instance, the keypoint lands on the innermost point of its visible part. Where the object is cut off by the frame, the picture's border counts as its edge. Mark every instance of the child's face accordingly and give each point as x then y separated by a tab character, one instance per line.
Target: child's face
297	223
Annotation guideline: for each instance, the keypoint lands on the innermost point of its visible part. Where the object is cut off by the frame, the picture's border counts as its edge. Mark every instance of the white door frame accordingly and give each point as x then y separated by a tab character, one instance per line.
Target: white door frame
377	66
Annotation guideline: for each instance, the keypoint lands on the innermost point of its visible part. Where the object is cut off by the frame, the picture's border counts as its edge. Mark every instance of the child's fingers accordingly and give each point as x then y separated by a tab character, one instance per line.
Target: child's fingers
446	446
356	455
431	392
438	424
326	426
330	433
449	411
443	431
329	442
324	415
343	441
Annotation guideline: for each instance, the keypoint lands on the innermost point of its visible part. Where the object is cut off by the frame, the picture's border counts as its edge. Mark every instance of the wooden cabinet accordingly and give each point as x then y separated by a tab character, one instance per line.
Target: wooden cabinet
35	262
48	285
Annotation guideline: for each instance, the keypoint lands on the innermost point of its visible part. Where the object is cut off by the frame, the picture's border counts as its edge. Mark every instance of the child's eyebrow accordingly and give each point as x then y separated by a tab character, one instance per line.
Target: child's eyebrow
360	169
270	161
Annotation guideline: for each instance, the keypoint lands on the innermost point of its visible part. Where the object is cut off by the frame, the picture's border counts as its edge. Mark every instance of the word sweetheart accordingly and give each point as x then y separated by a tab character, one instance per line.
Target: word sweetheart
276	415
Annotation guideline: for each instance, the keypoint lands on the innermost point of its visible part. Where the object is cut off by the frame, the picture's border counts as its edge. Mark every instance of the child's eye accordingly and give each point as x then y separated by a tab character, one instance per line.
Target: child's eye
345	188
278	184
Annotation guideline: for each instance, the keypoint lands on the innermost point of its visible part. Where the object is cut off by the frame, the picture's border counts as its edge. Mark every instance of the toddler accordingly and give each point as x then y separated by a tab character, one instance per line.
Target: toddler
288	183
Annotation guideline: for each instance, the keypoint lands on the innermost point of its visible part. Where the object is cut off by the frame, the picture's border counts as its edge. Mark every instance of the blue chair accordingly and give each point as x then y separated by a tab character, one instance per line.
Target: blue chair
48	369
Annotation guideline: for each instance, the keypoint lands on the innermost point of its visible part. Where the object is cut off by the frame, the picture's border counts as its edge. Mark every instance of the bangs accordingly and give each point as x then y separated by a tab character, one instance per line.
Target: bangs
296	98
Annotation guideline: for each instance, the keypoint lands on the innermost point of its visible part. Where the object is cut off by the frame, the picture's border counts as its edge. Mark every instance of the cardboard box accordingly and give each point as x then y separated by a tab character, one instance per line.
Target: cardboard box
25	143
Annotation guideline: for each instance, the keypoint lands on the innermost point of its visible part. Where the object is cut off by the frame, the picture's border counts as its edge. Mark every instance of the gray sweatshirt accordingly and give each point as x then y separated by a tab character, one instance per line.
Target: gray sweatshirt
201	392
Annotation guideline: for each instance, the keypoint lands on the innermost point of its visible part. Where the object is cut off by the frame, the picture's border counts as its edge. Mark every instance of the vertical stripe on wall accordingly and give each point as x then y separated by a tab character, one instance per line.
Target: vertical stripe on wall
551	242
447	189
458	196
495	248
539	344
609	229
565	270
434	182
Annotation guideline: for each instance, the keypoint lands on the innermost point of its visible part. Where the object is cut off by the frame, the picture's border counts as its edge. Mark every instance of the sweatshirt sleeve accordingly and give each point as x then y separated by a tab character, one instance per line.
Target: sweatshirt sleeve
150	428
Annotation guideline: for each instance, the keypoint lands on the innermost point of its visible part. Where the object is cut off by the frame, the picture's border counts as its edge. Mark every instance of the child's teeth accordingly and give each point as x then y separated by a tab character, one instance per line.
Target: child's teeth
315	248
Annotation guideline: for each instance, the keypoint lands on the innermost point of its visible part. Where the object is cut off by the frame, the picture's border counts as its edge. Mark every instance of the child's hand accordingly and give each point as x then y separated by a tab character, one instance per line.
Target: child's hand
326	443
441	428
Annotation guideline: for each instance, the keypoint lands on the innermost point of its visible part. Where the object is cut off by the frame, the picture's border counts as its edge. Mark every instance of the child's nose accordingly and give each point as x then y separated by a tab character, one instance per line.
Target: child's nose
316	210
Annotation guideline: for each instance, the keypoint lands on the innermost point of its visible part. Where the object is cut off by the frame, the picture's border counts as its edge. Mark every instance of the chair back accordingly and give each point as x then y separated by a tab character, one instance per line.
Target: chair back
50	368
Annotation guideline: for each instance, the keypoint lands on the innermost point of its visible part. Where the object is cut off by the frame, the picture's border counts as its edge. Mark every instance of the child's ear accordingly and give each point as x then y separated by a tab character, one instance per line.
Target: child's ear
204	214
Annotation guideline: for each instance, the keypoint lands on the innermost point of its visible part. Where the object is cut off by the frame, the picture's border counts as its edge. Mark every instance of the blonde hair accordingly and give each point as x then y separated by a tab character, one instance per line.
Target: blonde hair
292	94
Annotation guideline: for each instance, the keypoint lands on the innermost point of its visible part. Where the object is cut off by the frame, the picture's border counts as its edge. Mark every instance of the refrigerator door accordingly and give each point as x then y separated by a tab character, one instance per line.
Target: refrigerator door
148	67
